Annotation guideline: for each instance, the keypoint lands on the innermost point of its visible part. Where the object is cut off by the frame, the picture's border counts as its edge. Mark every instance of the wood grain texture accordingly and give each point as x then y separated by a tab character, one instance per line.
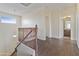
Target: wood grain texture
67	32
57	47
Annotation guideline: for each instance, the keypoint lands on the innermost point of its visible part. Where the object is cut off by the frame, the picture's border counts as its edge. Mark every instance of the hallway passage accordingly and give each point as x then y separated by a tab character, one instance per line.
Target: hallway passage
57	47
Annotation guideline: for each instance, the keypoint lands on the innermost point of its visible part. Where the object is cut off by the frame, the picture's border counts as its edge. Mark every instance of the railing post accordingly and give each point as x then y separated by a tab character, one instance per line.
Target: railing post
36	52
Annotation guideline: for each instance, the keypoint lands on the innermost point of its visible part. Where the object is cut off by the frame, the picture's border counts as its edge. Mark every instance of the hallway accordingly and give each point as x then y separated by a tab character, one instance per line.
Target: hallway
49	18
55	47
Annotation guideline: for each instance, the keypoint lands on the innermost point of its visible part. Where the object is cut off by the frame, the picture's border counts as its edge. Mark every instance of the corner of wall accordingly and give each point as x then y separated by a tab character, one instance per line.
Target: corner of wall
78	44
42	37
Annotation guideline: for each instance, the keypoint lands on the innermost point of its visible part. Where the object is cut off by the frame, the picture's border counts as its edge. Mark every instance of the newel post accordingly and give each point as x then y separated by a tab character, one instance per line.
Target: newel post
36	52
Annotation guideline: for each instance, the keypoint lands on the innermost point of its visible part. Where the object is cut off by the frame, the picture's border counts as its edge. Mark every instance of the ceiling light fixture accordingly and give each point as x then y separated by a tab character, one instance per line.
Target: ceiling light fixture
25	4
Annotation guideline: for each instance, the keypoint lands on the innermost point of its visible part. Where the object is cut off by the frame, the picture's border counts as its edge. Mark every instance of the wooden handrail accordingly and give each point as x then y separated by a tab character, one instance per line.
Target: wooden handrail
23	39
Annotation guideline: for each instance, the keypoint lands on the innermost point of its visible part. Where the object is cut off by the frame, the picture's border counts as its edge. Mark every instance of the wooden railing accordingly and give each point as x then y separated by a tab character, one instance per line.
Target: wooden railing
23	39
28	36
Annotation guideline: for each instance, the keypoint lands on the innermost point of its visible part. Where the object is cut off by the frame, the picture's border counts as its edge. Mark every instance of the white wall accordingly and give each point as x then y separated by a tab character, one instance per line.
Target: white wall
70	11
77	24
34	18
7	41
54	23
55	17
50	21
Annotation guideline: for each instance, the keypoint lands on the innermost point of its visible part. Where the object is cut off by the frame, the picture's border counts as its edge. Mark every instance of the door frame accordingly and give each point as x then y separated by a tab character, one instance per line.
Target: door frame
63	28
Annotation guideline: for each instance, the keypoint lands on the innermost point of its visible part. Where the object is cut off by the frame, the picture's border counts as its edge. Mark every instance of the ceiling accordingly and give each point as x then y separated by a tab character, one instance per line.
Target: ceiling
24	8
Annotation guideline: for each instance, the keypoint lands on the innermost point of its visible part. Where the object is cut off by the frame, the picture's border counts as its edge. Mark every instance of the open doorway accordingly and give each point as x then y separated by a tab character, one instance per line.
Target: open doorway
67	27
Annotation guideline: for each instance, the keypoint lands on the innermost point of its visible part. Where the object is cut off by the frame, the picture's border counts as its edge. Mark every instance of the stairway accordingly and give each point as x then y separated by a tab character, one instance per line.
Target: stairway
24	50
27	45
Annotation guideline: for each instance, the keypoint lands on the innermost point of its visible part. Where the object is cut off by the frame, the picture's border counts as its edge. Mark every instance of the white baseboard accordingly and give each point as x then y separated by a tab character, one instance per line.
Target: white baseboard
55	37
